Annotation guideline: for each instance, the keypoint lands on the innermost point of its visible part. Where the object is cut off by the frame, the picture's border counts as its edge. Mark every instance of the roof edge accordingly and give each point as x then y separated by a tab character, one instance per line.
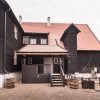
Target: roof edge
8	9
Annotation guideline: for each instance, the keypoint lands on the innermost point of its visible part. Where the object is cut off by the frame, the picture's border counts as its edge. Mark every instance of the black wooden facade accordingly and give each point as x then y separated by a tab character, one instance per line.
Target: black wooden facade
8	42
69	39
75	61
87	60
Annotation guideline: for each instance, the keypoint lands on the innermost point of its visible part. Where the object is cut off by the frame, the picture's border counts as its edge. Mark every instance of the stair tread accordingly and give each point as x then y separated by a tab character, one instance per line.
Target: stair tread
57	81
56	74
57	84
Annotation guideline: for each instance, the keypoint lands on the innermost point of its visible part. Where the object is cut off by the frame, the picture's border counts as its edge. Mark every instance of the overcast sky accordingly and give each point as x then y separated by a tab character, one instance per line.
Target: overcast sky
60	11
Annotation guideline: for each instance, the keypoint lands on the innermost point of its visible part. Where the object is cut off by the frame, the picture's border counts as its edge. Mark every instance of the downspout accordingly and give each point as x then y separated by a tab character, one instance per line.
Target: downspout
5	33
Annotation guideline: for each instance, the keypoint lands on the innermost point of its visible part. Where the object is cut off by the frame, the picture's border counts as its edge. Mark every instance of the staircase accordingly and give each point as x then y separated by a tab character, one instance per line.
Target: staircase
57	80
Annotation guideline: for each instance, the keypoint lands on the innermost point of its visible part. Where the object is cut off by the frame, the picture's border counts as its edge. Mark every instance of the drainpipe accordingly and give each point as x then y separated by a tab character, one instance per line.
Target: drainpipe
5	33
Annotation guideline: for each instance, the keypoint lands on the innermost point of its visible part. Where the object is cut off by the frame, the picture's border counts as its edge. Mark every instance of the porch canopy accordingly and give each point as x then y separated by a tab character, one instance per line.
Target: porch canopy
42	50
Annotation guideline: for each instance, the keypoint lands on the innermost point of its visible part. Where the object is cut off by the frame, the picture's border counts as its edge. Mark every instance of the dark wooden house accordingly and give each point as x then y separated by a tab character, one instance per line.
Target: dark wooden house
47	46
45	49
10	39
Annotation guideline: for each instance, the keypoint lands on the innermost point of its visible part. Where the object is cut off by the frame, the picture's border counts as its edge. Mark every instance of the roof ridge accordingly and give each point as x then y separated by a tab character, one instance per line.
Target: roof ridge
52	23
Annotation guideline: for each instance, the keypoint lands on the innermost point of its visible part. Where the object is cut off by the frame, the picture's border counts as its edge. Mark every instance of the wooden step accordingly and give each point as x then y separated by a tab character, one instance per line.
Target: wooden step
58	84
57	81
56	74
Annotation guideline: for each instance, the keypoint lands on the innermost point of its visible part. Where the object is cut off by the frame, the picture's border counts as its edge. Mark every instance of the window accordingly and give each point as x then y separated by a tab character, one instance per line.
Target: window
55	60
30	60
43	41
32	41
40	69
15	32
24	61
15	57
25	39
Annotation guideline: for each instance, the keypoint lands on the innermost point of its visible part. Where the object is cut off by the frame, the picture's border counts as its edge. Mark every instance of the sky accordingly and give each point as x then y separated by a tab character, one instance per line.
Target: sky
60	11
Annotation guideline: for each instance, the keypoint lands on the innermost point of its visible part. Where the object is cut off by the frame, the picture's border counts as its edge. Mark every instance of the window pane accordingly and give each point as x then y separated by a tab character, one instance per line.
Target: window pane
43	41
32	41
25	39
40	69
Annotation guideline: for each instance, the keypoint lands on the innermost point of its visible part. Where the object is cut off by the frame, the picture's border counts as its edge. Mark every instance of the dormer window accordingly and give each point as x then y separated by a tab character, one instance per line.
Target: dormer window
43	41
25	39
33	41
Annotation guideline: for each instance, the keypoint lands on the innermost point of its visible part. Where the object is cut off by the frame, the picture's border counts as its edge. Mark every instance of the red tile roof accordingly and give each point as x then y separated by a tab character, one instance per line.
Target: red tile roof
86	40
42	49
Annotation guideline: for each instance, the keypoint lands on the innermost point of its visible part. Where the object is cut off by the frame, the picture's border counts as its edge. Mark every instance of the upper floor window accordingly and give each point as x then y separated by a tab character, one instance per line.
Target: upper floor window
15	57
15	32
32	41
25	39
43	41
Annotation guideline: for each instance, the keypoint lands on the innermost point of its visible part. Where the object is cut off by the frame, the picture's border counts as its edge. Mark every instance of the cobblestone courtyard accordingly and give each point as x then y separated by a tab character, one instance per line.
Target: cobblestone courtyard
45	92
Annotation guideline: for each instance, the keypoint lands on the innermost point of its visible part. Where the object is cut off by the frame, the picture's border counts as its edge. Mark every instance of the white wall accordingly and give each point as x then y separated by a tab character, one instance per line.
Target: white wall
3	77
1	80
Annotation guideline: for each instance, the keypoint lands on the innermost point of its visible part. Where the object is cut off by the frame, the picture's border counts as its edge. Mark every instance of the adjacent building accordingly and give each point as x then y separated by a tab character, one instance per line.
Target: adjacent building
10	40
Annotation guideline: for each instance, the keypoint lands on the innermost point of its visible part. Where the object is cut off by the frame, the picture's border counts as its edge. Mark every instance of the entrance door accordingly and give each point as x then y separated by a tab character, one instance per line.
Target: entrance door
56	64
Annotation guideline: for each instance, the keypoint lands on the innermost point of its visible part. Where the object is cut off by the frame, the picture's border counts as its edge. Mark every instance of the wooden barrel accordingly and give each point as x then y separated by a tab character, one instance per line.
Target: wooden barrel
10	83
74	83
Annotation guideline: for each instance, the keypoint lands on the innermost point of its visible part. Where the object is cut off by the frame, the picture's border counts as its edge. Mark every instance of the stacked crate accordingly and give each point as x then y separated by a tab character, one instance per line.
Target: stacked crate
10	83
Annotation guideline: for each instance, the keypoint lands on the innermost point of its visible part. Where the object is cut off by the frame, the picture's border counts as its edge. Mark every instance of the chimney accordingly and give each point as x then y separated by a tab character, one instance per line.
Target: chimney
20	19
48	21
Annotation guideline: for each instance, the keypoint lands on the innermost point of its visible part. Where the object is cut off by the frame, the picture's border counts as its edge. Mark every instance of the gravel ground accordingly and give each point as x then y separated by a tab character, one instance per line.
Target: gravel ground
45	92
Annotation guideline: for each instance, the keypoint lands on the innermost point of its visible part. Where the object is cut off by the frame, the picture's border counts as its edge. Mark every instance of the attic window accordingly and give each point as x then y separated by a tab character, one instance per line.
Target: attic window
43	41
32	41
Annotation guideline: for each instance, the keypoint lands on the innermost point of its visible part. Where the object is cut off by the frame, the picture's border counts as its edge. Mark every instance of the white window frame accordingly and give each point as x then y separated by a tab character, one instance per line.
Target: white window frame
15	32
43	41
15	57
33	41
24	41
29	60
56	60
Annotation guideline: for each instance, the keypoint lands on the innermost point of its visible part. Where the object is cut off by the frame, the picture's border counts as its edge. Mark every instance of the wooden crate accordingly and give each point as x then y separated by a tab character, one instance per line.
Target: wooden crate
10	83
